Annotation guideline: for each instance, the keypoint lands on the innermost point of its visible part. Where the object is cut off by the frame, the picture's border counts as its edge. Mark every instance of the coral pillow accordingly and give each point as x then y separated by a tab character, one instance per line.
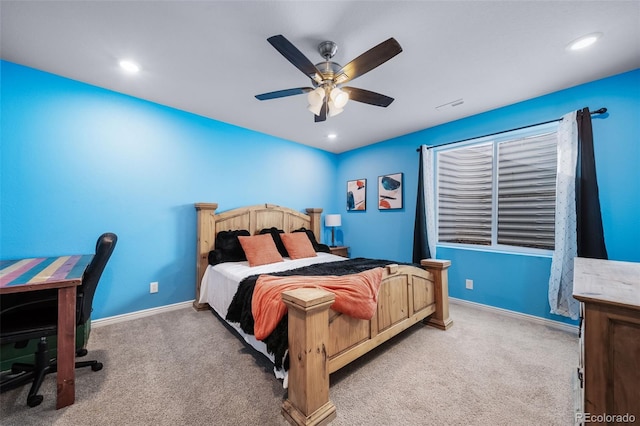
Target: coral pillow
298	245
260	249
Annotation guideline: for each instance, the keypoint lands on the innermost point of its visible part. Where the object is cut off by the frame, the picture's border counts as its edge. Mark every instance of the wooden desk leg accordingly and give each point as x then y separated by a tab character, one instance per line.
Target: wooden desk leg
66	389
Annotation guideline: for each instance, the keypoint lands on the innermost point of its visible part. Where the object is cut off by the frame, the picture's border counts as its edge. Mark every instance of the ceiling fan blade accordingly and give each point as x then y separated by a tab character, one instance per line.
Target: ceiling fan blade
297	58
368	97
323	113
370	59
283	93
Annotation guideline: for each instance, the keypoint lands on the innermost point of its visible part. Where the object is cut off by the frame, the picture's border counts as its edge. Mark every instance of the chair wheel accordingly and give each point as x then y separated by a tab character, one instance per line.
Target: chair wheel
97	366
34	400
81	352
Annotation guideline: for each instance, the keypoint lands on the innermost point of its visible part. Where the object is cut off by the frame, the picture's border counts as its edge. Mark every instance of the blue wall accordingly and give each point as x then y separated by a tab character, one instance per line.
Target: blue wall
508	281
78	160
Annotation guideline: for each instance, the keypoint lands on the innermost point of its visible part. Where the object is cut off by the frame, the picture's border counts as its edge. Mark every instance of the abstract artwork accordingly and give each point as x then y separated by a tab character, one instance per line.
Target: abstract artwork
390	191
357	194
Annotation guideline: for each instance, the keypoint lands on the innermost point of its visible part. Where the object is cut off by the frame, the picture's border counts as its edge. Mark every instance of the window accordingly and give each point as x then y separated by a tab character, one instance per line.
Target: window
499	192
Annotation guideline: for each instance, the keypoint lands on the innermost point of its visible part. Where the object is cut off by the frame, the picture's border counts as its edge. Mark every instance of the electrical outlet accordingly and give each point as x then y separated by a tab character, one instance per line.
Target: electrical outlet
153	287
469	284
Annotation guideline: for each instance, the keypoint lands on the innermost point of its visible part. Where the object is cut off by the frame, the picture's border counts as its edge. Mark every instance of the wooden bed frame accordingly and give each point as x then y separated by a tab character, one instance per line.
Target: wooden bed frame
321	341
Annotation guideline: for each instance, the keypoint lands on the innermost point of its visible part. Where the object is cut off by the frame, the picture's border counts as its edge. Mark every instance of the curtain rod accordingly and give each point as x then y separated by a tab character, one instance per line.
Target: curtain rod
598	111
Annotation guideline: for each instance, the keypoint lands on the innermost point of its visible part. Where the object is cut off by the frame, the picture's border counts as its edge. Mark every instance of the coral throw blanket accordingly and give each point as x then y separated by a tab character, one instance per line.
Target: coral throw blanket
356	296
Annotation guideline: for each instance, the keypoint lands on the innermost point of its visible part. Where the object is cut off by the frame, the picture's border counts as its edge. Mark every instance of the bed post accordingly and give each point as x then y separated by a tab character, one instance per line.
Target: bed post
206	232
440	318
315	214
308	401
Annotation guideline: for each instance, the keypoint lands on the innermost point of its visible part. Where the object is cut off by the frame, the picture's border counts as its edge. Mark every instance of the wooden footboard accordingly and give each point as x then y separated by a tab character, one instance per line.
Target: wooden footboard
321	341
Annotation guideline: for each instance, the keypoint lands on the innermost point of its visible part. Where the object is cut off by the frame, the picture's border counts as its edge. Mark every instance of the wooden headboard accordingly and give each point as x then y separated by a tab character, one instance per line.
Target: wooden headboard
253	219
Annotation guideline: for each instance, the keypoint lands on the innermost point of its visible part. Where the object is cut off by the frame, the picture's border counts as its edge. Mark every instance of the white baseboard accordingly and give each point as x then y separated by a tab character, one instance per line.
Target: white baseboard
140	314
153	311
543	321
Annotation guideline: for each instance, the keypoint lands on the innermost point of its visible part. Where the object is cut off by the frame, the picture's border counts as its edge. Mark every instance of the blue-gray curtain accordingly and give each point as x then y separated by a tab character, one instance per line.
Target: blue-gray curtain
420	243
588	214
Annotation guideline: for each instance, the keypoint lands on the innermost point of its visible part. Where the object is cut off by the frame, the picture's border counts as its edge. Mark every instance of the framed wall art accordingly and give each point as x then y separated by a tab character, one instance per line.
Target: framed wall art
390	191
357	194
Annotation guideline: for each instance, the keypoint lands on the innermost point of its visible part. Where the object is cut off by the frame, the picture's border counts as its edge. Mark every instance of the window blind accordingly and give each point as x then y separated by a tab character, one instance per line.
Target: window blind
465	177
526	191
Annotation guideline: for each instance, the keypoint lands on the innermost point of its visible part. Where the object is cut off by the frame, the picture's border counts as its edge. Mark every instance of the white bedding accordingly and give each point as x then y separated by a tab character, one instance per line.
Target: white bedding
220	283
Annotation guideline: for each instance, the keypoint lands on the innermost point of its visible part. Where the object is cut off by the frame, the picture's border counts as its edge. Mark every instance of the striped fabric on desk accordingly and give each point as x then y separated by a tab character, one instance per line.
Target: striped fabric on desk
42	269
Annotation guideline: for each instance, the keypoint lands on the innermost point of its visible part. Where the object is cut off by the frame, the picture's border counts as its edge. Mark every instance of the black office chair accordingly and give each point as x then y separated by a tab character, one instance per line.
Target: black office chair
26	316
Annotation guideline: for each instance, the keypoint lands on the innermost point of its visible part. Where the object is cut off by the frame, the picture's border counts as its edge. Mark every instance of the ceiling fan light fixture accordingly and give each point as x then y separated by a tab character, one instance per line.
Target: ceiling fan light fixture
315	109
333	109
316	96
325	97
339	97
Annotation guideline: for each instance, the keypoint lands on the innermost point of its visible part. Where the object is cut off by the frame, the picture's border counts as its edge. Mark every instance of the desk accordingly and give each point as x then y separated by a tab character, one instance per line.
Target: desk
65	274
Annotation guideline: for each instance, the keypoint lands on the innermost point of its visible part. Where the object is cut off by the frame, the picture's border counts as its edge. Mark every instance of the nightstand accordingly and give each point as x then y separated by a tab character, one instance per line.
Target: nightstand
340	251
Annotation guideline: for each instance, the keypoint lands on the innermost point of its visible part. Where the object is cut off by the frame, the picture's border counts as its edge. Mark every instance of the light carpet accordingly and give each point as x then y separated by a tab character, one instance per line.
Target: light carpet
187	368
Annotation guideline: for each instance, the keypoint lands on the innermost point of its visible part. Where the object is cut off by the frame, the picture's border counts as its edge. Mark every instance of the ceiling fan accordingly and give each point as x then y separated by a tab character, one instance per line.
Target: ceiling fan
328	96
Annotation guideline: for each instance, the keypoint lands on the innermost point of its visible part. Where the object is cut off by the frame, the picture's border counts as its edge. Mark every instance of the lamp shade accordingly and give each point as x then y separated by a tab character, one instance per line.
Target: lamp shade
316	96
333	110
332	220
339	97
315	108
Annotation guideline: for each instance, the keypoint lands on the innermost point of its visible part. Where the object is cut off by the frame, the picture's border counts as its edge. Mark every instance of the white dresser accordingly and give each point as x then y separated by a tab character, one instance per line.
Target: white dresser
609	365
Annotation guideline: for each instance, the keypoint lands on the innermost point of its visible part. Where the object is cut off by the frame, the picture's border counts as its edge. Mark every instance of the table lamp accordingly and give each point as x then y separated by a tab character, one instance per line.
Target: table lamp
333	220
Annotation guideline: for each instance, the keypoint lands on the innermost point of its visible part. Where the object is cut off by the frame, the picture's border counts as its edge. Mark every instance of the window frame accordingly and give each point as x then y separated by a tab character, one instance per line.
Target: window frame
495	140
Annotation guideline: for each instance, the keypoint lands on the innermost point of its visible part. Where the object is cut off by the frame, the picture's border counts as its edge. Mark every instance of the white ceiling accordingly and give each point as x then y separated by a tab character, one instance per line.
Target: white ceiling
212	57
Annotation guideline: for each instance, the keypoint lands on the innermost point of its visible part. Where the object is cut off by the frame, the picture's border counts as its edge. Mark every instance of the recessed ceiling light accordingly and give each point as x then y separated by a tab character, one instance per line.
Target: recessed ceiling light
584	41
129	66
332	136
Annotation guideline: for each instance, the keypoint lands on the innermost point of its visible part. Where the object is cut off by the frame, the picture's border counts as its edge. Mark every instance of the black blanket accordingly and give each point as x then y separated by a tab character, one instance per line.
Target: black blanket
277	342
